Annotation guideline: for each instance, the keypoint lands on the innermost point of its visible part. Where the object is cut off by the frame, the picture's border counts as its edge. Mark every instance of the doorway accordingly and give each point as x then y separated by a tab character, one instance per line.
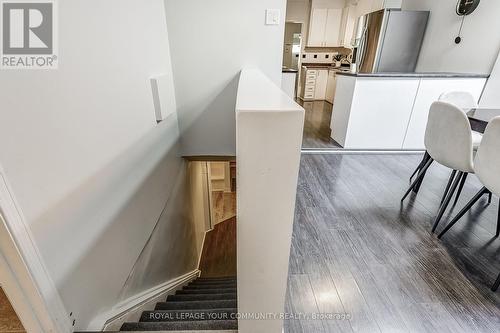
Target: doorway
222	190
213	200
292	45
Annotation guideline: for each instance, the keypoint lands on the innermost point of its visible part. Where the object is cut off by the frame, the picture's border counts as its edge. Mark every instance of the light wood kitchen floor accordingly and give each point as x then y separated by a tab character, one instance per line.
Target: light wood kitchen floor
357	251
317	125
9	322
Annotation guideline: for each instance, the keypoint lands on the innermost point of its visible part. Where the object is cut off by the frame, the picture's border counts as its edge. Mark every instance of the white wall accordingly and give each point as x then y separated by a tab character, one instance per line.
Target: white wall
211	41
480	45
268	167
87	162
175	244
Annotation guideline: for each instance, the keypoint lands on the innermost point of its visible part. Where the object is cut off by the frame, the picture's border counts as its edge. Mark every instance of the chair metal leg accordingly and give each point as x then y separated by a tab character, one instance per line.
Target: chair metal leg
496	284
460	188
416	188
464	210
419	177
420	165
450	181
447	200
498	221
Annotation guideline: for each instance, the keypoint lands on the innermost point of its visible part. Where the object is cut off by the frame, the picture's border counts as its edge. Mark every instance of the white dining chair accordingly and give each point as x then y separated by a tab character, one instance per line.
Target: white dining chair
462	99
448	141
487	168
466	102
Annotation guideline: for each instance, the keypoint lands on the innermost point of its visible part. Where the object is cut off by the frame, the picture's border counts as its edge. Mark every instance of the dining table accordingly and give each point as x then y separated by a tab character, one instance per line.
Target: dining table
480	117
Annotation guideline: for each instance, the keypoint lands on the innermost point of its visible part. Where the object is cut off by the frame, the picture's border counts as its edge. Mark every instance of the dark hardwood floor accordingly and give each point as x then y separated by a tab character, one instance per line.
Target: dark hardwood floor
317	125
357	251
218	258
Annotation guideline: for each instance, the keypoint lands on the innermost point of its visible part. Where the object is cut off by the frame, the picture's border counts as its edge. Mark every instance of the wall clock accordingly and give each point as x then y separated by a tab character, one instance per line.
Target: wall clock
464	8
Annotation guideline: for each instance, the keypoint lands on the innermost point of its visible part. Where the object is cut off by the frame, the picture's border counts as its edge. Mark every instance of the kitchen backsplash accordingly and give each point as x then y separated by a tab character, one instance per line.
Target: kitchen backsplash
320	56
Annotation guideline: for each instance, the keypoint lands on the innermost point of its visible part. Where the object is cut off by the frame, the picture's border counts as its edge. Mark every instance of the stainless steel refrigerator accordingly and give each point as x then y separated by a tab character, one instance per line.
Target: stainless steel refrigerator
389	40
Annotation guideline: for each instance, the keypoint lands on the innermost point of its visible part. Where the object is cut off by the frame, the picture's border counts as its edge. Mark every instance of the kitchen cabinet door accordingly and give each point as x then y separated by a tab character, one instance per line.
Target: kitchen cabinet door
330	88
348	26
317	27
321	83
378	113
332	29
429	92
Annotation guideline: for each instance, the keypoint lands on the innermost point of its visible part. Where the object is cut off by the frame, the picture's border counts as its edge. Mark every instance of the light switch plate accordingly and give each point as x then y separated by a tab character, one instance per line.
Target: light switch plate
273	16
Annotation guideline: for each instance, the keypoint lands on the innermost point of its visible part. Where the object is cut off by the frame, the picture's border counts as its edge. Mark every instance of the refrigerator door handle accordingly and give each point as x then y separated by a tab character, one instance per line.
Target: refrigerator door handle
362	51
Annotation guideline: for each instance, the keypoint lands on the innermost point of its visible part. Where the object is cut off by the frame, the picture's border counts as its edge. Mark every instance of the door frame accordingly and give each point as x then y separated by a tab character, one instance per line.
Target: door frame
23	274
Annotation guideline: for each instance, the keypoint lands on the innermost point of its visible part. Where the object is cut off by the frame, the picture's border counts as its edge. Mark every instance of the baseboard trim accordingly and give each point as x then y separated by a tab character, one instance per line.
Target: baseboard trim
308	151
202	247
29	267
137	301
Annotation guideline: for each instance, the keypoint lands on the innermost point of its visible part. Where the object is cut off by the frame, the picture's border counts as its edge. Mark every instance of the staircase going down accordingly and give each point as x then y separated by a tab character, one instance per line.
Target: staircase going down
204	304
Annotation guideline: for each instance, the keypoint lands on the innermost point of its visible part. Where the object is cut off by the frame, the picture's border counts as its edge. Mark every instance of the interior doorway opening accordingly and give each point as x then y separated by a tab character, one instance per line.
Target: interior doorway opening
213	199
222	190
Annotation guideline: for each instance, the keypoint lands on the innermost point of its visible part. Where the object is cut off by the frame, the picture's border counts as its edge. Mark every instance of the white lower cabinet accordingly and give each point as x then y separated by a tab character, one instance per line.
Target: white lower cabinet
429	91
389	113
288	83
330	87
321	83
313	84
380	111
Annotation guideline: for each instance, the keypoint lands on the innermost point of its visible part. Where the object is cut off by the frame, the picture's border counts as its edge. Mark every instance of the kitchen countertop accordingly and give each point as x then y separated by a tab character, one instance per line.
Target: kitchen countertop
416	75
325	66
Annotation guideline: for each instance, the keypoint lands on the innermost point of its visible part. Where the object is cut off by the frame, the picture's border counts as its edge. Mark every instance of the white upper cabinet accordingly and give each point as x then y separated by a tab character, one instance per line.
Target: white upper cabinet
332	32
332	26
317	27
367	6
377	5
324	27
347	26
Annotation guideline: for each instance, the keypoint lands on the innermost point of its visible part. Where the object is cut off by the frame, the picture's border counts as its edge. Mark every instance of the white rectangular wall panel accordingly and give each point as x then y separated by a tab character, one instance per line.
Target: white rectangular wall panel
163	96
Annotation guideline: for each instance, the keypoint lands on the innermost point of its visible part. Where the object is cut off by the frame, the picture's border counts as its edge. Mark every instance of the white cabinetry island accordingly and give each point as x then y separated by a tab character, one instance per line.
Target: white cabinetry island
389	110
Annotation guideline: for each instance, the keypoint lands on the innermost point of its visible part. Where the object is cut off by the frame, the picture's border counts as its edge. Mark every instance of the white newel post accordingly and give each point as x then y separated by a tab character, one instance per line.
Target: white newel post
269	129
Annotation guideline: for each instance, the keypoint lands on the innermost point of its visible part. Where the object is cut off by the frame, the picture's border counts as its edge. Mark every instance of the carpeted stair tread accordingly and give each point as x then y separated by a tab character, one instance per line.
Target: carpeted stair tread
189	305
216	278
181	325
214	281
188	315
200	297
212	285
205	304
205	291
